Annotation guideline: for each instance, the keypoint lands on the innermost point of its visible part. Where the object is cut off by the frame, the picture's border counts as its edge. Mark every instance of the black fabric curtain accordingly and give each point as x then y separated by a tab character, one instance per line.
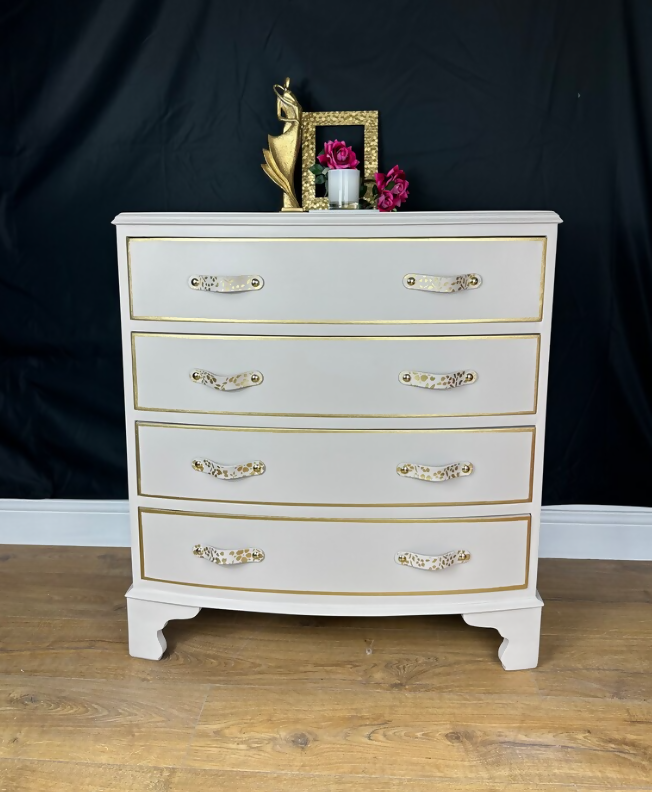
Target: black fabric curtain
164	105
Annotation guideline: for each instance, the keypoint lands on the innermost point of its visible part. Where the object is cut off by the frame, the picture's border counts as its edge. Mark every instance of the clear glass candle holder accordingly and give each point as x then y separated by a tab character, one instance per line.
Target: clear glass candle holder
344	189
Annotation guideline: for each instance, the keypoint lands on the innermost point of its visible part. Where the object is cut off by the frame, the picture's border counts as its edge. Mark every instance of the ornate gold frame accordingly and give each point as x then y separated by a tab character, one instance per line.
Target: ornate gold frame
309	123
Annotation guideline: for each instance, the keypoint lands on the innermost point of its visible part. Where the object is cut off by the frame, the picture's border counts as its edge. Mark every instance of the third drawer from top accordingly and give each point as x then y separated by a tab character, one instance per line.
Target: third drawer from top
336	467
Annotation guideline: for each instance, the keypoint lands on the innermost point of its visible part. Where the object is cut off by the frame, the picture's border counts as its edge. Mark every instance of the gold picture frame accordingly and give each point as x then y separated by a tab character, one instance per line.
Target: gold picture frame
309	123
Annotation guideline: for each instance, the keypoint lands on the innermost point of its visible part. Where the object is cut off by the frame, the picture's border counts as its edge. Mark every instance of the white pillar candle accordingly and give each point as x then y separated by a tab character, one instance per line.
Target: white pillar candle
343	188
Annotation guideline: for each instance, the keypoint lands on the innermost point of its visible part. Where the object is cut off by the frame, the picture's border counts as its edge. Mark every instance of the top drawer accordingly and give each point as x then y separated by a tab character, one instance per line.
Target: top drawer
337	281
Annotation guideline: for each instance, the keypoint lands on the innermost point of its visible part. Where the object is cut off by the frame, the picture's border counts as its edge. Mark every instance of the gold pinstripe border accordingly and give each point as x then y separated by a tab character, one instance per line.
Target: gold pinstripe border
531	429
538	318
222	337
516	518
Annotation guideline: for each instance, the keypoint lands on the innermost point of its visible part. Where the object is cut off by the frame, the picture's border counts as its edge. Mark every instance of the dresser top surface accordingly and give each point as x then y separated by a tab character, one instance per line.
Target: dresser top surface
325	219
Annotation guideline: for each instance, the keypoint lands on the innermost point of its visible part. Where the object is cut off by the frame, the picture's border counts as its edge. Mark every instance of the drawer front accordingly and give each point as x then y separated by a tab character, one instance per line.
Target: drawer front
338	377
297	467
337	557
323	281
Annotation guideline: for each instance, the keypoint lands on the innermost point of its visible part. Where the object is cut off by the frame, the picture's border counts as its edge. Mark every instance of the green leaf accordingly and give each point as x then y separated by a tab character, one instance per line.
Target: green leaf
320	179
321	153
317	169
374	190
363	190
389	185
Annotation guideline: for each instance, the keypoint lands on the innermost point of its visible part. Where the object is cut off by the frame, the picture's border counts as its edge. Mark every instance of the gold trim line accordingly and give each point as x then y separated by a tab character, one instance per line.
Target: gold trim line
508	429
222	337
543	239
452	592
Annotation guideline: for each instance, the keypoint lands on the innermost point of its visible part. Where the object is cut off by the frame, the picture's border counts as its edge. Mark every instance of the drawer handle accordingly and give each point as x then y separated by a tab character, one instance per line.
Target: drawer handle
442	284
248	379
226	284
247	555
423	379
429	473
433	563
211	468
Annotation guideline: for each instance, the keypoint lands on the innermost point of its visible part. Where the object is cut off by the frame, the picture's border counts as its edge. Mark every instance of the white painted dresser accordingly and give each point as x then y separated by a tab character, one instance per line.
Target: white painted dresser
337	413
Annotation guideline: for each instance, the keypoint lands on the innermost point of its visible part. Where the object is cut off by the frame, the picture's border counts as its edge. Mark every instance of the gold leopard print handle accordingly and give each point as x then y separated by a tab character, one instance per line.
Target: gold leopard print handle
442	284
226	284
245	470
433	563
423	379
247	555
248	379
429	473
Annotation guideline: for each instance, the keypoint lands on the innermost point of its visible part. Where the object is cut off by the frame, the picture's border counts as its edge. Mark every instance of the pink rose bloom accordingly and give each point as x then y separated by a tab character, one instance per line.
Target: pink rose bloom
400	187
395	173
381	180
386	201
338	156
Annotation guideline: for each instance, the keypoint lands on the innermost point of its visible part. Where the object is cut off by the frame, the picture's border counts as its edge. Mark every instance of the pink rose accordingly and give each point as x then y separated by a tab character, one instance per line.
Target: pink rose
380	181
338	156
386	201
400	186
395	173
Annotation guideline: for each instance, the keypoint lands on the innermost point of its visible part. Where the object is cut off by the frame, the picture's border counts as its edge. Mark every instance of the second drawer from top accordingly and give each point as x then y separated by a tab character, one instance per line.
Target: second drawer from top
352	377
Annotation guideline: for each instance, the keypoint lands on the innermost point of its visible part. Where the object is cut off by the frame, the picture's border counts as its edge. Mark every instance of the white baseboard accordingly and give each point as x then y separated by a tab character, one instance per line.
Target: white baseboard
65	522
610	532
619	532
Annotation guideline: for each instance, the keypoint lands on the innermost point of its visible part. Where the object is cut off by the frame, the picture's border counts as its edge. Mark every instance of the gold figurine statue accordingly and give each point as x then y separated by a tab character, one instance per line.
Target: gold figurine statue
284	149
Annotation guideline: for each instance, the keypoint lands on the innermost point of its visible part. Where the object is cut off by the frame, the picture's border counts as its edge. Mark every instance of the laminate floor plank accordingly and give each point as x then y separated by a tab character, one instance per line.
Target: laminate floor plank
580	655
29	775
97	721
58	559
59	595
39	776
595	581
523	739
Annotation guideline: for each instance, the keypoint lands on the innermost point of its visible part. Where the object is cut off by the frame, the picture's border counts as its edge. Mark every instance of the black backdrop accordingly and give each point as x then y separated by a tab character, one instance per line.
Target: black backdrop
163	105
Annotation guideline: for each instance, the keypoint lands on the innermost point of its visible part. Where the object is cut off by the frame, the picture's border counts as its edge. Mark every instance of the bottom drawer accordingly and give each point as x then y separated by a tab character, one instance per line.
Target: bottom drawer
294	555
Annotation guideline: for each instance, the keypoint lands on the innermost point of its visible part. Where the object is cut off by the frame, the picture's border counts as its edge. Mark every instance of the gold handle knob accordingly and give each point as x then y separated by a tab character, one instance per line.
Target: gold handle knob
467	468
255	283
197	465
402	559
411	281
404	469
255	377
473	280
465	556
194	282
256	554
257	467
406	377
469	377
196	376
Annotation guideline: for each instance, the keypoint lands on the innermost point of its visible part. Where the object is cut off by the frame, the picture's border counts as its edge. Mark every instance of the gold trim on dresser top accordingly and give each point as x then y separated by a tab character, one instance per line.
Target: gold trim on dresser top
530	429
511	518
538	318
137	406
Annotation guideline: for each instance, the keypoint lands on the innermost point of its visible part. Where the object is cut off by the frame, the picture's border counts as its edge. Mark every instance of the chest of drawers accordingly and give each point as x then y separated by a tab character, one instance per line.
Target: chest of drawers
336	413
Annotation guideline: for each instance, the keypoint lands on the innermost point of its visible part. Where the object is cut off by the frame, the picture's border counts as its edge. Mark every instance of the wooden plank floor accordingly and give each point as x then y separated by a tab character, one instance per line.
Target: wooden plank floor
298	704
